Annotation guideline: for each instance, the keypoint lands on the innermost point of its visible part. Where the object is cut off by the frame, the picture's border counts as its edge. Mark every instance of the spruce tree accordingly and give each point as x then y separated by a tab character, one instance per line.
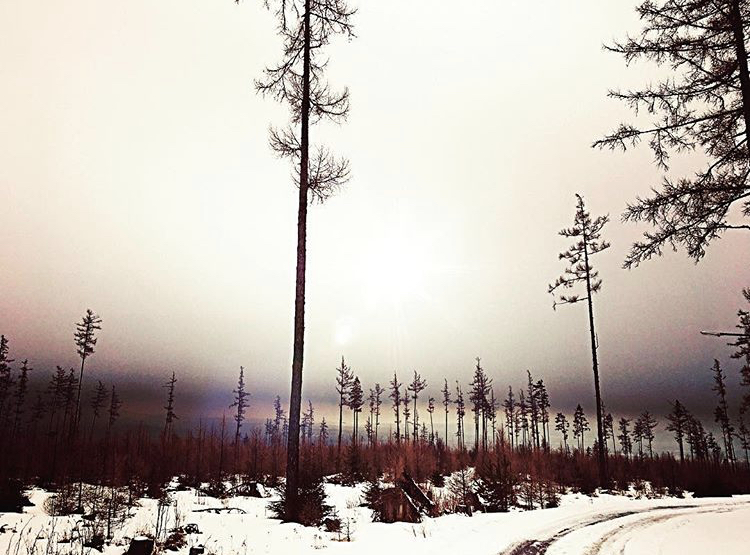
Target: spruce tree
587	234
703	103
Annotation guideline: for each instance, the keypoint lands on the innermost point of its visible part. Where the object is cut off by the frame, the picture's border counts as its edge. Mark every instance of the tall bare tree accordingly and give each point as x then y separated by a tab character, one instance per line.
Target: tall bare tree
703	103
306	28
588	242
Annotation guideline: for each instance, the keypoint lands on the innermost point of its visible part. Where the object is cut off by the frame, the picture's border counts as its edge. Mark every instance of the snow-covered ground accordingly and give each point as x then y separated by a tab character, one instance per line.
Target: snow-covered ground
605	525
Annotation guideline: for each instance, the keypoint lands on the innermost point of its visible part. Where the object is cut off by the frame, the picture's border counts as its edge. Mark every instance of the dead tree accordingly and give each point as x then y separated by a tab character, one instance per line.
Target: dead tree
416	386
240	402
587	233
306	28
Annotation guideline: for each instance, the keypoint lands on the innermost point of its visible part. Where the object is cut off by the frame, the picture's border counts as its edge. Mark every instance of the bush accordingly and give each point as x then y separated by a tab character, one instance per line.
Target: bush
311	507
12	497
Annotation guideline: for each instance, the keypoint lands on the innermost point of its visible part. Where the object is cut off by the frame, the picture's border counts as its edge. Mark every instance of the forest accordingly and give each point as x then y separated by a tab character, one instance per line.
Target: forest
400	448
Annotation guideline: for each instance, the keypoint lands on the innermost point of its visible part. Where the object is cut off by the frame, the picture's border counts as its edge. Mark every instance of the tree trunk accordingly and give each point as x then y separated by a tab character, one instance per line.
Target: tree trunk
741	52
295	397
595	364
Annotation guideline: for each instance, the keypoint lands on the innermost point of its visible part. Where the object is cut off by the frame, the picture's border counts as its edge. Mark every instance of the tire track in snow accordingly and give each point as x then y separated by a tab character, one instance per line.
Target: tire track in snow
540	546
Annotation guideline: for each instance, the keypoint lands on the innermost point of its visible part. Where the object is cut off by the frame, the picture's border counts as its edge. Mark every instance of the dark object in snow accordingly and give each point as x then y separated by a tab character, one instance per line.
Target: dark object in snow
95	542
140	546
417	496
332	524
191	529
12	498
462	509
197	550
396	506
219	510
247	489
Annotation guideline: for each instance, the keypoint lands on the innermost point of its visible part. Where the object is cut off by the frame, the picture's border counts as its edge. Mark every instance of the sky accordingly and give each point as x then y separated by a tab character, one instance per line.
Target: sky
137	180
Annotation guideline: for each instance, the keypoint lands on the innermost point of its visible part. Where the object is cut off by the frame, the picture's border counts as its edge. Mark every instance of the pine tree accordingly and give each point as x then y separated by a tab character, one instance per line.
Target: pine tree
355	402
85	340
395	395
609	428
417	385
20	396
306	28
169	407
562	425
344	379
509	405
430	411
580	427
446	403
678	421
649	424
97	403
721	413
702	104
241	403
460	413
6	377
378	401
626	444
587	233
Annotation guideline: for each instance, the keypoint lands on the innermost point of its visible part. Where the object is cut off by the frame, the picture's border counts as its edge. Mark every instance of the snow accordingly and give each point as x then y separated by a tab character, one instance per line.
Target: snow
604	525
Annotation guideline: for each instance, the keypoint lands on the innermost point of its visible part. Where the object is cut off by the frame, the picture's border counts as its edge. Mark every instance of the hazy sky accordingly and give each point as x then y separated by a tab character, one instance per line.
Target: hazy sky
136	179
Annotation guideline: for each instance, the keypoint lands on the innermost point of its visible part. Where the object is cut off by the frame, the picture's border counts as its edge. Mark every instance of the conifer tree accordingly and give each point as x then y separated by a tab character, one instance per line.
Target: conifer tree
702	103
344	379
355	402
587	234
169	407
85	340
430	411
678	421
626	444
562	425
721	413
446	403
395	395
241	396
97	403
580	427
417	385
460	413
306	28
20	396
6	376
509	405
377	402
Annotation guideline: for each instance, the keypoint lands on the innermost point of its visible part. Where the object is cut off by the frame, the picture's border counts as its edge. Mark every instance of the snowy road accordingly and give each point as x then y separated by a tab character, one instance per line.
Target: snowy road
683	529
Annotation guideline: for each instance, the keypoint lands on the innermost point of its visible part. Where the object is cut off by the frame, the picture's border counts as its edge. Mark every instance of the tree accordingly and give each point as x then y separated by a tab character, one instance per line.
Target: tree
240	402
509	405
703	104
377	393
344	378
306	28
6	378
395	395
85	340
446	403
721	413
308	421
169	407
460	413
416	386
431	410
609	428
678	420
97	403
355	402
587	233
742	344
20	396
626	444
580	427
562	425
648	425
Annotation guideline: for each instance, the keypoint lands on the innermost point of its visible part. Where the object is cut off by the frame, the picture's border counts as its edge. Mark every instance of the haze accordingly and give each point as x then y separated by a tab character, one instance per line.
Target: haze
136	180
